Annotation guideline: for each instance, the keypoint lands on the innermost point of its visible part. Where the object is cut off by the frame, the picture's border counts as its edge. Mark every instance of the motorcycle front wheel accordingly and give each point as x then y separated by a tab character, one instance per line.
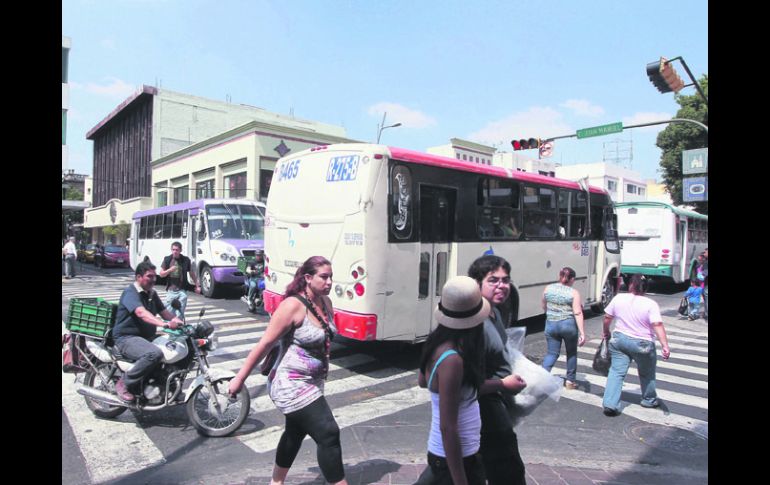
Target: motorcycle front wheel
210	421
92	379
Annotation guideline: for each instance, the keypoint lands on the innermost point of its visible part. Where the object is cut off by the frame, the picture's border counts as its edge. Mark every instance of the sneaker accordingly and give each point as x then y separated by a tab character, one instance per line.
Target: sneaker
122	392
655	404
570	385
611	412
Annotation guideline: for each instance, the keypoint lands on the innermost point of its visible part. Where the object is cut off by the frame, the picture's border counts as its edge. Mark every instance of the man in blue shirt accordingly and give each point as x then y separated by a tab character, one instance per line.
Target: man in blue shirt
136	324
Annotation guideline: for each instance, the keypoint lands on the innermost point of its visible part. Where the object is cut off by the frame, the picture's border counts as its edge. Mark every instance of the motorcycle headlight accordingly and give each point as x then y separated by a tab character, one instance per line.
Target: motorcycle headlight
204	329
213	342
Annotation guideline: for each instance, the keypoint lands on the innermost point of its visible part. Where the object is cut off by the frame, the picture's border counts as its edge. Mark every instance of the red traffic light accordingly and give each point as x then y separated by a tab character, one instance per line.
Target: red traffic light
526	143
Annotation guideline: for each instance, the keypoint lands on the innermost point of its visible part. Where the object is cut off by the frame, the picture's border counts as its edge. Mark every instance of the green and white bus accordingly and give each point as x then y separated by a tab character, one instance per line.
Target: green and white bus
659	240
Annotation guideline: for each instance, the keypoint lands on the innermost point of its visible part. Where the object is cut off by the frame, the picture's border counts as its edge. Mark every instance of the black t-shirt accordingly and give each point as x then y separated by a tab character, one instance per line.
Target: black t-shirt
126	321
178	277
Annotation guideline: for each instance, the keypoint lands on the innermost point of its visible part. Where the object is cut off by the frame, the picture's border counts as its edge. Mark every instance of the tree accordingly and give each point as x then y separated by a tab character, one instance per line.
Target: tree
117	234
678	137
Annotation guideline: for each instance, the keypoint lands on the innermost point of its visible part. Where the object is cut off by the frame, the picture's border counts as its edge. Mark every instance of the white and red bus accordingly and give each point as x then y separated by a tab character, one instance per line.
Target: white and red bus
397	223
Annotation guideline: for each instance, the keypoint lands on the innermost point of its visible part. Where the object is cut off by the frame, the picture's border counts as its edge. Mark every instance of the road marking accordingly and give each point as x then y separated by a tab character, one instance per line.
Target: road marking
359	381
659	376
266	439
111	448
654	416
674	355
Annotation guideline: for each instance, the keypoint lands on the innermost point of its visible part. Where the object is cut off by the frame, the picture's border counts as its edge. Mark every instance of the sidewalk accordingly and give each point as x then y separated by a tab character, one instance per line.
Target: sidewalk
383	472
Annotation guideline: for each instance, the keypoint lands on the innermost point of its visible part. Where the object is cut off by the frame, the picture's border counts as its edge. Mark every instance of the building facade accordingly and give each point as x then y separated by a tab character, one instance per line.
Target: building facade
465	150
66	44
623	185
160	147
515	161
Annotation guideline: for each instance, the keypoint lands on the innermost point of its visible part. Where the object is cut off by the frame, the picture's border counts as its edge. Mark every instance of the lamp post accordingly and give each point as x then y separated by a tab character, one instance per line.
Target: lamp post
383	127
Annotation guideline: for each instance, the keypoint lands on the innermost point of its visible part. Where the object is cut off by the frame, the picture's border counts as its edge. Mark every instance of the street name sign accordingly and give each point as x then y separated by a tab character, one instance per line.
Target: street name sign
695	161
695	189
600	130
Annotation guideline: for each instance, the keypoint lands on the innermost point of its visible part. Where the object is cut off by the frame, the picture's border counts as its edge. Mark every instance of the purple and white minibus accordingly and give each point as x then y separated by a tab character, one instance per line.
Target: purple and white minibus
213	234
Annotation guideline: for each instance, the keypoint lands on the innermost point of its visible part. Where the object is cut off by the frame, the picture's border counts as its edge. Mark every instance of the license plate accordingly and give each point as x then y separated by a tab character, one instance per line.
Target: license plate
120	260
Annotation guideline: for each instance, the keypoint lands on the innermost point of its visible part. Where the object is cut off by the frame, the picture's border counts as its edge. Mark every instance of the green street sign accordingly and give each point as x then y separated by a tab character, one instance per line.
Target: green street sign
695	161
600	130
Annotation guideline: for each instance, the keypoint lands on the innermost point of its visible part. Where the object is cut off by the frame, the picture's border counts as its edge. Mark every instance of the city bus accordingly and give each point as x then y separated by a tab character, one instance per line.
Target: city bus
213	234
660	241
396	223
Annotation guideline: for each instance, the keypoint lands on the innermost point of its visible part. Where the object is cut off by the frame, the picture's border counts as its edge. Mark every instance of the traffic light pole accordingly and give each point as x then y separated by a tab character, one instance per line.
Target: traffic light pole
673	120
694	82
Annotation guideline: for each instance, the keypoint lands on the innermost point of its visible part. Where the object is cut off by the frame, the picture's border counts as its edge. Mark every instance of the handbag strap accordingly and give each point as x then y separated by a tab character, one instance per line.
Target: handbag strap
311	309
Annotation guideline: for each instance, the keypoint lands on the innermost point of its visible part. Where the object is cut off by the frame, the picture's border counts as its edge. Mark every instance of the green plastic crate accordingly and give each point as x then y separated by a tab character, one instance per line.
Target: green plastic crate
243	262
91	316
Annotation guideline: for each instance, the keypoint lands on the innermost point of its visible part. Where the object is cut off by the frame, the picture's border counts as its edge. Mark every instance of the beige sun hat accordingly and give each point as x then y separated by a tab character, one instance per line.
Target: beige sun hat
461	306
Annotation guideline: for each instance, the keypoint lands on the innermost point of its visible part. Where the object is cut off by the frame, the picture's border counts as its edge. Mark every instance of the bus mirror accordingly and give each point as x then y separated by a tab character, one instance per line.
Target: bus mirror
197	225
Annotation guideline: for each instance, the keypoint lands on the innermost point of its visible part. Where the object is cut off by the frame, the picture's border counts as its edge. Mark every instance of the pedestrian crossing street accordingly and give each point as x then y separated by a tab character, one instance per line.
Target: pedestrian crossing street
361	387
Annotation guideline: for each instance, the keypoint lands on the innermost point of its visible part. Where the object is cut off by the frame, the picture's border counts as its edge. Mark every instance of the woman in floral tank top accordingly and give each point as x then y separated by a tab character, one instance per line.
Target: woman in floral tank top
303	326
564	322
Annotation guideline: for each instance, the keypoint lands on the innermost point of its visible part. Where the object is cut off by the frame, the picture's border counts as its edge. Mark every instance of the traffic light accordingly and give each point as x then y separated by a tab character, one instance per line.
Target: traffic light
664	77
526	144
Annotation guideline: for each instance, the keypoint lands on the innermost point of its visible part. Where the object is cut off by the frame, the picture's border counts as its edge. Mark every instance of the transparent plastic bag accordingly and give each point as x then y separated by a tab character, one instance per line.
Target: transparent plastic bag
540	383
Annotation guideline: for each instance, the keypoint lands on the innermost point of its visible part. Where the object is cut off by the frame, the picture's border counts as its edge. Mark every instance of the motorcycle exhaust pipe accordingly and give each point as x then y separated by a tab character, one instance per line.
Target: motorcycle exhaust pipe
101	396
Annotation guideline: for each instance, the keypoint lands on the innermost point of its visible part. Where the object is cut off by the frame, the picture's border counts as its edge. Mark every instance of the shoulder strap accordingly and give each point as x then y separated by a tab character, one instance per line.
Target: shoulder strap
446	354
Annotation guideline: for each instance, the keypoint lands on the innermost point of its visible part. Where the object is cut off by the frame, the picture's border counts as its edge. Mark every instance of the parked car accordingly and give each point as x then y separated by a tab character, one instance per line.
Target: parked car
86	254
111	256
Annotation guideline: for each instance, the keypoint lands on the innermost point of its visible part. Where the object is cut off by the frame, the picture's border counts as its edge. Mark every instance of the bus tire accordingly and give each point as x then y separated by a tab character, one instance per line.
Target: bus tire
608	293
208	285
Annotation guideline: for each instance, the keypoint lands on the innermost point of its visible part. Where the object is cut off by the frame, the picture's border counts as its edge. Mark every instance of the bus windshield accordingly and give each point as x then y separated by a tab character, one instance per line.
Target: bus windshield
234	221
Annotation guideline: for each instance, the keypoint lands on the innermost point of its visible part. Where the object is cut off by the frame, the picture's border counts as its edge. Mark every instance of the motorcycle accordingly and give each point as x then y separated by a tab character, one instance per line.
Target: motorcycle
210	408
254	276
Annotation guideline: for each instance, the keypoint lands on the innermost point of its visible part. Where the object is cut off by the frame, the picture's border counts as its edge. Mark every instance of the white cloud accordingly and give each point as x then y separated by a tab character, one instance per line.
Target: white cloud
537	122
397	113
640	118
113	88
582	107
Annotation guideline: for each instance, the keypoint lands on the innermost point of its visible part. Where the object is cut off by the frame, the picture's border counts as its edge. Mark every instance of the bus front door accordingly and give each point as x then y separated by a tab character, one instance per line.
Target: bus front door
437	215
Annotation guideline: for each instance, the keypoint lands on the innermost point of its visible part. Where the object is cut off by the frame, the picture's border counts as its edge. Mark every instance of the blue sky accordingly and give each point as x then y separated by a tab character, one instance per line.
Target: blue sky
485	70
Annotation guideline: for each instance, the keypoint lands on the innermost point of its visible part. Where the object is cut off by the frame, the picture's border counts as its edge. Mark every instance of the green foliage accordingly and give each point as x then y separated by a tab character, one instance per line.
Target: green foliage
73	194
678	137
117	234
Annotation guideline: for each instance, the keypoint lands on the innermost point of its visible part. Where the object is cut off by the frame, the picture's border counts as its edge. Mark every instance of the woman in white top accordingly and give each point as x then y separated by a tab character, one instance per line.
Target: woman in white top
452	368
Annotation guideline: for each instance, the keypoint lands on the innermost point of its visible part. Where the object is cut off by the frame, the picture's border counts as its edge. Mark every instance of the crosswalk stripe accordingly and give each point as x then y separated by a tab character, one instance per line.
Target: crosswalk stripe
336	364
266	439
653	416
101	441
591	349
659	376
683	331
691	340
336	386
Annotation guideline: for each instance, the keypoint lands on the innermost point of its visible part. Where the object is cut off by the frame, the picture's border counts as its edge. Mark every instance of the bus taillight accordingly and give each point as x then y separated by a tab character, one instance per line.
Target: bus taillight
359	289
356	326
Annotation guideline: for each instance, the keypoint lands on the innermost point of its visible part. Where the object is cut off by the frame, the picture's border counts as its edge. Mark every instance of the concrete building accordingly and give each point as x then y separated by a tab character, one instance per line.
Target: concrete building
465	150
623	185
66	43
201	147
515	161
657	192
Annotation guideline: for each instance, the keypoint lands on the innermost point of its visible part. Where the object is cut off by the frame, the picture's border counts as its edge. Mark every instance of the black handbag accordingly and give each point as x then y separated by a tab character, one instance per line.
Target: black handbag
602	358
683	307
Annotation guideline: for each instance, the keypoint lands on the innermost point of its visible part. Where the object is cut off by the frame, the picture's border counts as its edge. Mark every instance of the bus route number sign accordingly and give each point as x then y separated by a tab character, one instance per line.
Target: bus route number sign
342	168
288	170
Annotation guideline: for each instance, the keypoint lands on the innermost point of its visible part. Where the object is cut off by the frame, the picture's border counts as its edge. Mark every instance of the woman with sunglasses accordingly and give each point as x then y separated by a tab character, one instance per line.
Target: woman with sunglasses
303	326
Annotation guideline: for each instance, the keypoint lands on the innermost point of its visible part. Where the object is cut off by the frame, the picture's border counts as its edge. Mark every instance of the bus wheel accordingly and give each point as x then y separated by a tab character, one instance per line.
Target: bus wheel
208	285
608	292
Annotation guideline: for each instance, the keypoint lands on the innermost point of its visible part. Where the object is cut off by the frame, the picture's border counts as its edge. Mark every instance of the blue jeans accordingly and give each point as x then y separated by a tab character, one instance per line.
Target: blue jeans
555	332
694	309
182	295
622	350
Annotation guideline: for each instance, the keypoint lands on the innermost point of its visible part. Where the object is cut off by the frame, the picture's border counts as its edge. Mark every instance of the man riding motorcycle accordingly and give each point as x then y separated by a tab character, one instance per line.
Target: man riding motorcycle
136	326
